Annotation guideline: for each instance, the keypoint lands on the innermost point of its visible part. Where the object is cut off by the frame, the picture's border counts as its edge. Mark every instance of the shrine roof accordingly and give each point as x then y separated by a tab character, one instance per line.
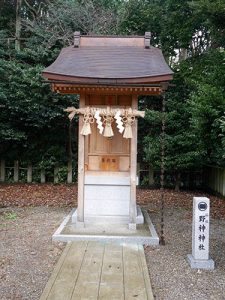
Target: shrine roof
110	59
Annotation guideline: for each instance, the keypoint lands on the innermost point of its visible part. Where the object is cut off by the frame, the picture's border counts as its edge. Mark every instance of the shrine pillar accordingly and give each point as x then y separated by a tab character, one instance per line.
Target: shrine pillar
133	170
81	166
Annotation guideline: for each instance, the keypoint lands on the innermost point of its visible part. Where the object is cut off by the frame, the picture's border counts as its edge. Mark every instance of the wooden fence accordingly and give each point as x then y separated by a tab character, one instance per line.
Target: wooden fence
29	170
214	178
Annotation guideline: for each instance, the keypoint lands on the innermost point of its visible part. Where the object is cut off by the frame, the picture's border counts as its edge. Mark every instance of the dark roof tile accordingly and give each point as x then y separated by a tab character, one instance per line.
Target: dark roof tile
109	62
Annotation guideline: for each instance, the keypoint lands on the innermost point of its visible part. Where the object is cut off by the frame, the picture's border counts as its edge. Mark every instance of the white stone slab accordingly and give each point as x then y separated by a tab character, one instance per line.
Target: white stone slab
200	235
92	219
200	228
107	180
105	193
105	200
106	207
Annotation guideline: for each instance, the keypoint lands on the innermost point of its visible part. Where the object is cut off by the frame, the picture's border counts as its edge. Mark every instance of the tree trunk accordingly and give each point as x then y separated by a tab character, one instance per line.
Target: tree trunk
177	183
183	54
18	25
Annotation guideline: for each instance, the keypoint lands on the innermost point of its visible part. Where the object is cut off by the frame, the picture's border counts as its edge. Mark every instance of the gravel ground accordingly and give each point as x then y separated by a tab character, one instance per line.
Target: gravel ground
171	276
27	254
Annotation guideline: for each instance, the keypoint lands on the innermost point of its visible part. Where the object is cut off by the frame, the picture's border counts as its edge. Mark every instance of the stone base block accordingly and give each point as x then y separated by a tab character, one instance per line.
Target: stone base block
80	224
144	234
200	263
88	219
132	226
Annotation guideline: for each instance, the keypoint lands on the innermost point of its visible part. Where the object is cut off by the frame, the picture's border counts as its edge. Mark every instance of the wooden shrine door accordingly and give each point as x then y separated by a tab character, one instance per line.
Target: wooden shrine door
108	154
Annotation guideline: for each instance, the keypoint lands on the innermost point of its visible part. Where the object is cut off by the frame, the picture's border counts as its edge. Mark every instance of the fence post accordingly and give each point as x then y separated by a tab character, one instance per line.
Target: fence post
2	178
218	180
29	173
16	171
42	175
69	172
150	176
56	177
223	180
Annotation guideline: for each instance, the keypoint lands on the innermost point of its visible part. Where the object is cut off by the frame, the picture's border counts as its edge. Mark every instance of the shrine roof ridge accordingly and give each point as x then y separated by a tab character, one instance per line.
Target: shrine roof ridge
112	36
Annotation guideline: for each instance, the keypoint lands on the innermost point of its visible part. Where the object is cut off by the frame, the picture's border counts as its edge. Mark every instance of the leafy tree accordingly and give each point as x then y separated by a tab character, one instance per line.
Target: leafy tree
33	126
182	149
7	15
64	17
207	103
213	13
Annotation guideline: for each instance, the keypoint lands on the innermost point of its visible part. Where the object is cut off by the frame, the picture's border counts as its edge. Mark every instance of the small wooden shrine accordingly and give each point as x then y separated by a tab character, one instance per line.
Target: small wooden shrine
109	73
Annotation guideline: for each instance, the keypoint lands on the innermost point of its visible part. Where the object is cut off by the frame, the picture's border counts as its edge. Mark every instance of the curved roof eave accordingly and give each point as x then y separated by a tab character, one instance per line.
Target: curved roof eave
53	77
114	64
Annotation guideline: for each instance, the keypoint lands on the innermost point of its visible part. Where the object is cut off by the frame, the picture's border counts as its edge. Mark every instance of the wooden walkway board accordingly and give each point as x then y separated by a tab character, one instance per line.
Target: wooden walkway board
95	270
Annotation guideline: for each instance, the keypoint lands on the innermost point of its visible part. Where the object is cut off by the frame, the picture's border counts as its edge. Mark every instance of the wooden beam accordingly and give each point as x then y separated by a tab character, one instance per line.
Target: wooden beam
76	39
110	41
133	172
29	173
16	171
69	171
63	88
80	208
56	174
2	171
147	40
43	177
86	138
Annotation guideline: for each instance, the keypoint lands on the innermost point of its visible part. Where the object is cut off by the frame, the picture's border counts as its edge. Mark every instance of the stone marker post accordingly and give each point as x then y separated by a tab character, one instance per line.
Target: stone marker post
199	259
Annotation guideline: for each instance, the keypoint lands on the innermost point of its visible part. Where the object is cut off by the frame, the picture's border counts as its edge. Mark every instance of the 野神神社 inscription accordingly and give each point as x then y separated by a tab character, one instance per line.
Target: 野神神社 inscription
200	235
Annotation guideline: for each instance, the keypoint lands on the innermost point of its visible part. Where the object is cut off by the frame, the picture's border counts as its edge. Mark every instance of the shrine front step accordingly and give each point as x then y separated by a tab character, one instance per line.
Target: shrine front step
144	234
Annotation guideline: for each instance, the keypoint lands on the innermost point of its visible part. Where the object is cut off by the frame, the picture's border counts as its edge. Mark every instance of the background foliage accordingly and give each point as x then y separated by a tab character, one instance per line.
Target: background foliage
33	126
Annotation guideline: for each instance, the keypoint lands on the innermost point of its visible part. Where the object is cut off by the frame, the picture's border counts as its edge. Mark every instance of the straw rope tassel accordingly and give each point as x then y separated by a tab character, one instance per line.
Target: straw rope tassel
128	120
108	132
108	119
86	129
88	119
128	131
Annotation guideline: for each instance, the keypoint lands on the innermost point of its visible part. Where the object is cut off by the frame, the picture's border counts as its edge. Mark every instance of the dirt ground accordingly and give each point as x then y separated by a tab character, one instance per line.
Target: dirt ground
28	256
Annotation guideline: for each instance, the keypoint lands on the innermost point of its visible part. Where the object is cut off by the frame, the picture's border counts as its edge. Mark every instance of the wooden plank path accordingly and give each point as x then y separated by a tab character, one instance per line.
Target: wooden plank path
95	270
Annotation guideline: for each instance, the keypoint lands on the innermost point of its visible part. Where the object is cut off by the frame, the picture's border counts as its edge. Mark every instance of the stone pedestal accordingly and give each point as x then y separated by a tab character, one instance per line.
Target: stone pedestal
207	264
107	200
199	259
109	219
